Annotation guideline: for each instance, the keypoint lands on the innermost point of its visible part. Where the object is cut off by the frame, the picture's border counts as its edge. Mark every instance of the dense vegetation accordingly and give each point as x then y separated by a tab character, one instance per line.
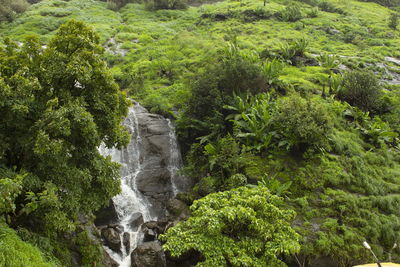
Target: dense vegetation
58	104
288	113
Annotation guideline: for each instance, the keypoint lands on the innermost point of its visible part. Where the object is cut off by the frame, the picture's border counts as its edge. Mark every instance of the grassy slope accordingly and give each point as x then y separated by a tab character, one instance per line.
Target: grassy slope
163	48
160	48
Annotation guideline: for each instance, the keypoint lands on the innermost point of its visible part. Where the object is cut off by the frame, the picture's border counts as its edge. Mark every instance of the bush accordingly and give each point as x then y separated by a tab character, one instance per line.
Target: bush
313	13
329	7
291	13
233	73
393	20
300	124
361	89
241	227
166	4
9	9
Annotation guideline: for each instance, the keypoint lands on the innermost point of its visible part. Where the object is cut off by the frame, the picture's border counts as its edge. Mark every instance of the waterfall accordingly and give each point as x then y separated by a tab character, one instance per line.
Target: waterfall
132	203
175	160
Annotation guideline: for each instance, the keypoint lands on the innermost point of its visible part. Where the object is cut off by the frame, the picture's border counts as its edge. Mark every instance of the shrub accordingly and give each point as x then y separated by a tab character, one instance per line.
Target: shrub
212	88
313	13
393	20
300	124
291	13
166	4
296	48
361	89
112	5
329	7
251	120
328	61
9	9
241	227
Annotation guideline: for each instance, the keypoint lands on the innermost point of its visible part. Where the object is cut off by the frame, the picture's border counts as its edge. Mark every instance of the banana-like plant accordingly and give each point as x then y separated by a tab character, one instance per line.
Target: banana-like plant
252	121
328	61
272	70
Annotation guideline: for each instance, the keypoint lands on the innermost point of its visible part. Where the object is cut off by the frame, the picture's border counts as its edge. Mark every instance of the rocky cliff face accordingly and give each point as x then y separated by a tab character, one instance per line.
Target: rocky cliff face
149	179
155	180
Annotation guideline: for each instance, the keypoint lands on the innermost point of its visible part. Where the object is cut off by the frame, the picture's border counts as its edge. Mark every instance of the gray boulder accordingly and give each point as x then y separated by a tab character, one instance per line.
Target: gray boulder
178	208
111	238
149	254
126	239
106	216
136	221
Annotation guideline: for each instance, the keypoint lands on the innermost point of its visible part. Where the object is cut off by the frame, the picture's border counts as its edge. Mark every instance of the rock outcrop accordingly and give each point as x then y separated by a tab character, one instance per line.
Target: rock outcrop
111	238
154	179
149	254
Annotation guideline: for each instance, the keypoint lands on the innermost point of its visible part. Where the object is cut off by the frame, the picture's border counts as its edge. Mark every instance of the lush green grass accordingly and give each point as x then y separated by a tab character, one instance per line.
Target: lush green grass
15	252
156	55
159	50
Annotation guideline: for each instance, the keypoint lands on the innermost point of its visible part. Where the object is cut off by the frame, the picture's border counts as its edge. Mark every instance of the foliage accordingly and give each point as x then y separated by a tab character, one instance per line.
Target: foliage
313	13
393	21
291	13
301	123
9	9
361	89
90	250
235	73
252	121
224	157
246	223
166	4
58	105
296	48
10	188
15	252
329	7
328	61
272	70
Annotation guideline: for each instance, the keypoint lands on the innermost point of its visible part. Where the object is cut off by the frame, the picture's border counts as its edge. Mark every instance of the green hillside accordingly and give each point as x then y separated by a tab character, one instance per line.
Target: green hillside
299	97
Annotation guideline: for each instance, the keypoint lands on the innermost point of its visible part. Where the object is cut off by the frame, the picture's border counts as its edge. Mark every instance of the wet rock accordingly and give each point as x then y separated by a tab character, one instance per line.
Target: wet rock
149	254
178	208
149	235
111	238
106	216
126	240
136	221
108	261
393	60
153	181
117	228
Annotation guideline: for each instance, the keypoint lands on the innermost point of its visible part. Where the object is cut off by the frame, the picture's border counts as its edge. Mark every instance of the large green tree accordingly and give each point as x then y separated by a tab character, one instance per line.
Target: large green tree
241	227
58	103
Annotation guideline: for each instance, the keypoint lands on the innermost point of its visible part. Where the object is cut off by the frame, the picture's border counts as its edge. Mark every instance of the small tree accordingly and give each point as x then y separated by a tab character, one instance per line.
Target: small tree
240	227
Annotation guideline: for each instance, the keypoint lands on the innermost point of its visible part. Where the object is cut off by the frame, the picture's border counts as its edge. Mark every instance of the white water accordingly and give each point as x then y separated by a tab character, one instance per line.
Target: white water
175	160
131	200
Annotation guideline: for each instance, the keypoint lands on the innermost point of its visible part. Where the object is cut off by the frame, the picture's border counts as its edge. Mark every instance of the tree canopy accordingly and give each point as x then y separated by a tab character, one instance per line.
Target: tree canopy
58	104
246	223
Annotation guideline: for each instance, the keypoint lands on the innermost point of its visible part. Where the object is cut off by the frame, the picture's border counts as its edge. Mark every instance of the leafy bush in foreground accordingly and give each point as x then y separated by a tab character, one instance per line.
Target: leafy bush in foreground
246	223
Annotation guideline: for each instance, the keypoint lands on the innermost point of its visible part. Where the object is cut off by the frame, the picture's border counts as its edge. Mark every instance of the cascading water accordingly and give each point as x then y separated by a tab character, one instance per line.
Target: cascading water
175	160
131	202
